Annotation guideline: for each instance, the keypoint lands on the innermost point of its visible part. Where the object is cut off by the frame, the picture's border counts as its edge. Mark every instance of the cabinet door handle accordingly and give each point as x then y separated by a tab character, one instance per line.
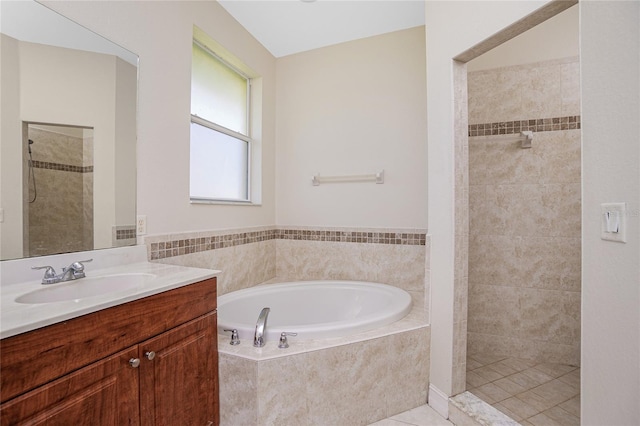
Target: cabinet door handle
134	362
150	355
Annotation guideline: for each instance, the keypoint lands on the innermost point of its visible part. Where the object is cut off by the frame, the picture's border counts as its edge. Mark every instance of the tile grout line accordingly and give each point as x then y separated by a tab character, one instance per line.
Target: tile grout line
511	395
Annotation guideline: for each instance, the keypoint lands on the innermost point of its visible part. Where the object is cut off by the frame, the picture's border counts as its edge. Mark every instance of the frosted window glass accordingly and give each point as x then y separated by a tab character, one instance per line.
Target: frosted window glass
218	165
218	93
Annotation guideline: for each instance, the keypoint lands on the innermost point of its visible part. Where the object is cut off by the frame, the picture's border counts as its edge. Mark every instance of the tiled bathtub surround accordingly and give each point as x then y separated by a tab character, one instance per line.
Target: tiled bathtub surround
186	244
524	244
244	264
252	256
331	382
354	380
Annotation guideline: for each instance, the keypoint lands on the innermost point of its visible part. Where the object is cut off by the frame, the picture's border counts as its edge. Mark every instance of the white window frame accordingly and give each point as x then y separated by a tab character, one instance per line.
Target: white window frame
195	119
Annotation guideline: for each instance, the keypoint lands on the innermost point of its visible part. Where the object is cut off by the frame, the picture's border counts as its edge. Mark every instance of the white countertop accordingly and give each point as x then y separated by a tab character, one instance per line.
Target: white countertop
16	318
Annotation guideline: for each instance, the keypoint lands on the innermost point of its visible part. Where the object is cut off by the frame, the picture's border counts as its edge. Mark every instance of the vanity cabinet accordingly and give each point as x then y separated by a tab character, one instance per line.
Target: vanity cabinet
153	361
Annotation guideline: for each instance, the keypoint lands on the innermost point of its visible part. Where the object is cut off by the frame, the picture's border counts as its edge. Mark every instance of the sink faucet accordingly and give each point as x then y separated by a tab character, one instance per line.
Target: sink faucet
71	272
261	328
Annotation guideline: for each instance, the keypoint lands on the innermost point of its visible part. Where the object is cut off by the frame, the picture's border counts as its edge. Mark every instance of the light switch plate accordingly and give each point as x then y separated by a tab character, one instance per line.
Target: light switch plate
613	210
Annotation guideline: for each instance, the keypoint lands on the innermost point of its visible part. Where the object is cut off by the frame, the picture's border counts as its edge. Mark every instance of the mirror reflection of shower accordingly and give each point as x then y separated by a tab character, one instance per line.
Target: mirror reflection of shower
32	177
58	197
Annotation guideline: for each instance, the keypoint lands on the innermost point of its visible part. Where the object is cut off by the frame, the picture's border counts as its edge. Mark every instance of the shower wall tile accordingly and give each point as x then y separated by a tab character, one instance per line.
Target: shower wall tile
56	147
553	158
549	315
536	262
461	227
460	299
527	210
570	80
525	214
525	313
499	345
494	310
61	217
539	87
542	89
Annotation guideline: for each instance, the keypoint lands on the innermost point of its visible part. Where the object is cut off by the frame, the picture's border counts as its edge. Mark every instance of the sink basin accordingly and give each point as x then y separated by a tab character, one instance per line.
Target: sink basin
86	287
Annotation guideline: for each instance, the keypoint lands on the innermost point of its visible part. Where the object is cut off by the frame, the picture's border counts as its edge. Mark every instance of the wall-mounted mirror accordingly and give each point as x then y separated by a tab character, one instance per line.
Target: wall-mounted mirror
67	135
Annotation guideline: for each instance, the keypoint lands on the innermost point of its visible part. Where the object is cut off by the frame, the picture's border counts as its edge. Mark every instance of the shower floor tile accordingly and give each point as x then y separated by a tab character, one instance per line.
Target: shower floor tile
530	393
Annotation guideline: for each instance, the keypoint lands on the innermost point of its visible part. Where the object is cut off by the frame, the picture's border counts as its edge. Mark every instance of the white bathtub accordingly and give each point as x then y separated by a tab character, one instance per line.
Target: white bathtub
313	309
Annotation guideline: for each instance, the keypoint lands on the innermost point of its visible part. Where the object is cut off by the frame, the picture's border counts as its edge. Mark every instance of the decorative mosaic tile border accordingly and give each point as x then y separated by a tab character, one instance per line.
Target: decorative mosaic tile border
62	167
123	235
536	125
125	232
171	246
374	237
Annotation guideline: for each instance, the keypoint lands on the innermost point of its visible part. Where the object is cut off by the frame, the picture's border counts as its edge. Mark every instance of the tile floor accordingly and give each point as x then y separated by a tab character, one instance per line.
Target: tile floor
421	416
529	392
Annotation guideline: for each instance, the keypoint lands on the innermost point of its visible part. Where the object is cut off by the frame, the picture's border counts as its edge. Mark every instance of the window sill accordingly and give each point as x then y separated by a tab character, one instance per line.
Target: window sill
224	202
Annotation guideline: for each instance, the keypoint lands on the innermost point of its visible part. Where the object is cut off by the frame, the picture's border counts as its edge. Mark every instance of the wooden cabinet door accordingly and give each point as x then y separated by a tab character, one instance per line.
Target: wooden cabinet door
103	393
178	386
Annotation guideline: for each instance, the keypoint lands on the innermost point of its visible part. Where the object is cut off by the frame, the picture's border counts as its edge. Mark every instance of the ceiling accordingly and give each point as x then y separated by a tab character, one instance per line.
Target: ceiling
33	22
286	27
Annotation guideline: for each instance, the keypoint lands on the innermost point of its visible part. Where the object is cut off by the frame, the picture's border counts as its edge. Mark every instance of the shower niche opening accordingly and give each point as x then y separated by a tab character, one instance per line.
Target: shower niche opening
57	189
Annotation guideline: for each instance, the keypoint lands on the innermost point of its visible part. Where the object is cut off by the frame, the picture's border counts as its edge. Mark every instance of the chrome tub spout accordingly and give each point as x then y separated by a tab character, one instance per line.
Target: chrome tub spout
259	338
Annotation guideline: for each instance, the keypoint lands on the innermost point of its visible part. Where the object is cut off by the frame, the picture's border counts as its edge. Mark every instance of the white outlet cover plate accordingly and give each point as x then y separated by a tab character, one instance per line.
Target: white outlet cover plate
141	224
619	236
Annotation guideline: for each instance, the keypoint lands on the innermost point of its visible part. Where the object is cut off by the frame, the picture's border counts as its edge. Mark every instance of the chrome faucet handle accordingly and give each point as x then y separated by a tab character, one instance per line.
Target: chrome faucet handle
235	340
85	261
78	268
79	265
283	339
50	276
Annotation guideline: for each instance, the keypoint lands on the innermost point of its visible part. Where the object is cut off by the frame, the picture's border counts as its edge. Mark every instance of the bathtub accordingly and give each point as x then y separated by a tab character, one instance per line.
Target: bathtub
313	309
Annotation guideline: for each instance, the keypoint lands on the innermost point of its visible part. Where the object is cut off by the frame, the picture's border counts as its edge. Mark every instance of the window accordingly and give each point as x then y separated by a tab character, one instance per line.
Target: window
220	131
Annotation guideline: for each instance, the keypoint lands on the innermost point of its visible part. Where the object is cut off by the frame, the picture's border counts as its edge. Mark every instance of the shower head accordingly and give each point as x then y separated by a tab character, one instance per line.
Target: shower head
30	143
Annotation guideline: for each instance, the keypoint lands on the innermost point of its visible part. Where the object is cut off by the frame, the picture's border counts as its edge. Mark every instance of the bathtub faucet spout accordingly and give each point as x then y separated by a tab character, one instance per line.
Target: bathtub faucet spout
261	328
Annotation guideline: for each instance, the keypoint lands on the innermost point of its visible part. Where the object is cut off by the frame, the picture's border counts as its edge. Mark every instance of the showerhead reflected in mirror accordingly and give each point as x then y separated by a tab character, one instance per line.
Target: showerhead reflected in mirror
68	136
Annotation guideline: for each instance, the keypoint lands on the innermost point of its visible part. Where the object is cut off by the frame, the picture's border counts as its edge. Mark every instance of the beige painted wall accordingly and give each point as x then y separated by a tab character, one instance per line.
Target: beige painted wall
90	73
451	28
11	188
161	34
353	108
610	297
86	82
555	38
524	224
610	70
